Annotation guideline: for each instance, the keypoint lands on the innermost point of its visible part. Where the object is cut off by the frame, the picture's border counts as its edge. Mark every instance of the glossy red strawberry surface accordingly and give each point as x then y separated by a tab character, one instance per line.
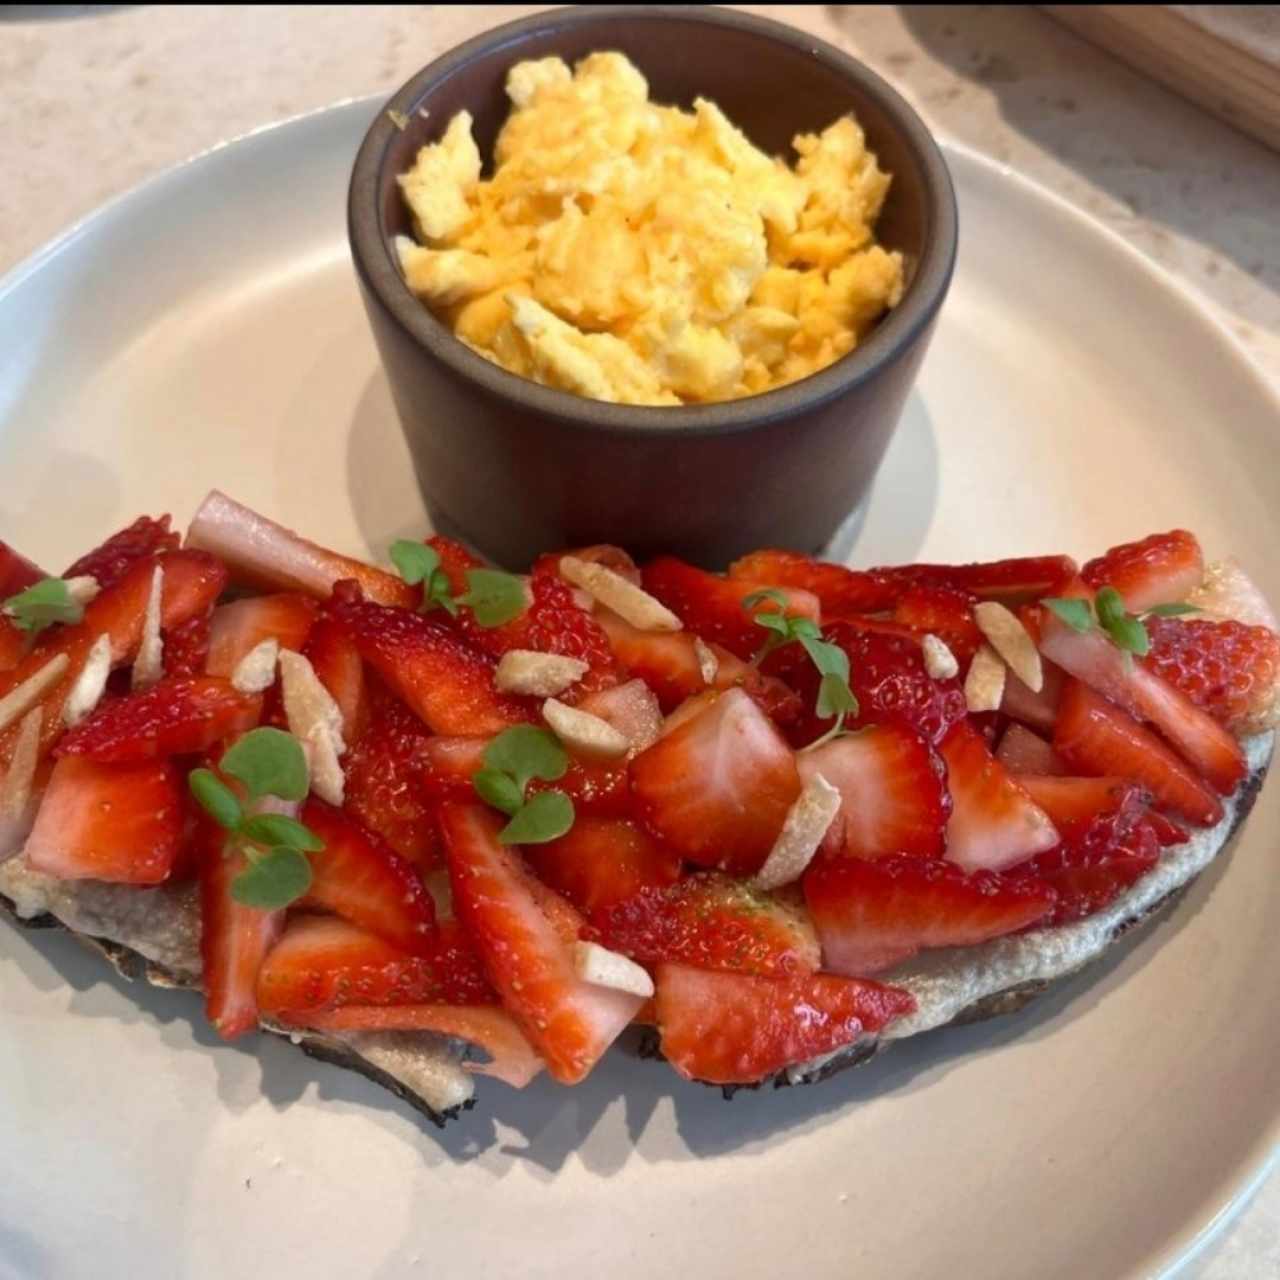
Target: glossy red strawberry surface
1161	569
107	564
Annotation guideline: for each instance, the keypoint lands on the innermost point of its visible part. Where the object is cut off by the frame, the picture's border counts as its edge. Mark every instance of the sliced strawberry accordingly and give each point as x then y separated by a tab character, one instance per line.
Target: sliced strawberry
778	701
1022	751
17	573
718	788
121	823
1229	669
666	661
1098	738
893	790
109	563
337	664
13	645
1039	710
630	707
994	822
324	963
840	590
1010	581
186	648
728	1028
268	557
384	772
1162	569
242	625
943	612
234	940
870	915
1198	738
711	921
361	879
178	715
442	678
1074	804
712	607
512	1059
1166	831
570	1022
602	861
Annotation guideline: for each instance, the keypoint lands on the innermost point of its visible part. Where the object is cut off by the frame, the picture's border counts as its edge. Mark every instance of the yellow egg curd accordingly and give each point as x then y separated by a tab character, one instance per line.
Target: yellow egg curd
643	254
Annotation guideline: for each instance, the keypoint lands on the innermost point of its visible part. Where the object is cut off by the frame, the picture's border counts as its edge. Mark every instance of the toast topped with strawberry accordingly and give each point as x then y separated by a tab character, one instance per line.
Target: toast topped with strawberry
435	820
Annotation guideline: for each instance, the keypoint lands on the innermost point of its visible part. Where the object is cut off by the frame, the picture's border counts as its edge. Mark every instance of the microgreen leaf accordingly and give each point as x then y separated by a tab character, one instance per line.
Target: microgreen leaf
269	762
1075	613
525	751
770	595
493	596
1130	635
835	698
273	881
1109	604
1170	610
415	560
42	604
804	628
498	790
277	829
215	798
546	816
830	659
775	622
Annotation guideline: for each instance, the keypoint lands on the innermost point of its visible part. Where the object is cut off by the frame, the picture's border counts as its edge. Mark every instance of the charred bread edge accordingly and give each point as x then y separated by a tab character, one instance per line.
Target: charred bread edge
133	966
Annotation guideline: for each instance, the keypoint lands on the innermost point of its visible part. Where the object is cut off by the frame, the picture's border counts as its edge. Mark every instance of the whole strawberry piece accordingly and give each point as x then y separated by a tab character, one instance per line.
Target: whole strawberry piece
1162	569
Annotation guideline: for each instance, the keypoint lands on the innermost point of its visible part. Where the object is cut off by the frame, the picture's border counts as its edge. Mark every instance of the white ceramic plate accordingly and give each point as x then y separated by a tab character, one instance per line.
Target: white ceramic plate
205	330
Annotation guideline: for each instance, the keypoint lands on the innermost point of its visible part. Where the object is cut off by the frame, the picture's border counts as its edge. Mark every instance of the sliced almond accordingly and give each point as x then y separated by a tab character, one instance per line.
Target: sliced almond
17	702
631	603
83	589
604	968
148	666
256	671
807	822
316	721
15	790
939	661
984	685
538	675
324	770
90	684
583	733
1011	640
708	663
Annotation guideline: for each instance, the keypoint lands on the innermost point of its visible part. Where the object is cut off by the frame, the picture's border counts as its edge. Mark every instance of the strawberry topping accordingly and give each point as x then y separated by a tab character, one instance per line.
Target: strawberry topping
108	563
1162	569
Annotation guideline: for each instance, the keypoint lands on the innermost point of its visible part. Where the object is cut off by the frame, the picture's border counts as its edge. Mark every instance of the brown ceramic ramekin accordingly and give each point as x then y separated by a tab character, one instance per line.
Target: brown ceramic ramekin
516	468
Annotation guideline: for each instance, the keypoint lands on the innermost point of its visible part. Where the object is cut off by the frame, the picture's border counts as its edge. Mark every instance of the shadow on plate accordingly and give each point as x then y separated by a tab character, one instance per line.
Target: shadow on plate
56	12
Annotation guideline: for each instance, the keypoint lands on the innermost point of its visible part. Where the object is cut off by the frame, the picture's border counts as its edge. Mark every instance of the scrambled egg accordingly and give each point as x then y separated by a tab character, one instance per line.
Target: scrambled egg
638	253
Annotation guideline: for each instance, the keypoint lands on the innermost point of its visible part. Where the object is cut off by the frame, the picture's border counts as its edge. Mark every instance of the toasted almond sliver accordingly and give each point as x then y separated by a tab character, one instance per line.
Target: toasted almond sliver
256	671
323	768
17	702
984	685
83	589
15	790
708	663
1010	639
583	733
148	666
538	675
307	702
604	968
631	603
807	822
90	684
939	661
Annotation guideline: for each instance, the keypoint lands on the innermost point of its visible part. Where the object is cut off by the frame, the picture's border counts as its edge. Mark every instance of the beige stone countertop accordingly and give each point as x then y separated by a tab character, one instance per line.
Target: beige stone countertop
94	99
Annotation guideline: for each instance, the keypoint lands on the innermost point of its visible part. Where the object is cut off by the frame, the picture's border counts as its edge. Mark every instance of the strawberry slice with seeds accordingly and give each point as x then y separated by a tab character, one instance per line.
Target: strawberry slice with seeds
107	564
1038	710
384	772
569	1022
729	1028
13	645
1009	581
359	878
325	963
994	822
873	914
179	715
1076	804
717	789
234	939
893	790
713	608
440	677
242	625
120	823
186	648
943	612
338	666
17	573
1228	669
840	590
1024	752
1096	737
711	921
1166	831
601	861
1161	569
